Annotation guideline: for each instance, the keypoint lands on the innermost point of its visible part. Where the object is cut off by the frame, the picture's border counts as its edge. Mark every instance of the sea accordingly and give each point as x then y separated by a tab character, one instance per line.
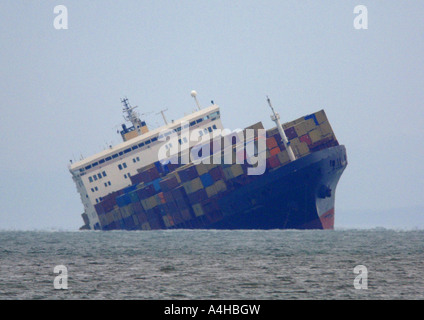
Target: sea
345	264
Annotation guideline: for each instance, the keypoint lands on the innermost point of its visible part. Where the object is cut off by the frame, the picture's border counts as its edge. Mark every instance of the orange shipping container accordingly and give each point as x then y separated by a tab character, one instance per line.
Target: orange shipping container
275	151
271	143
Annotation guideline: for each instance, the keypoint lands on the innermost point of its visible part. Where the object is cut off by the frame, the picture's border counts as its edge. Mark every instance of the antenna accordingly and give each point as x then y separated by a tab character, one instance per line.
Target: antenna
276	118
130	115
163	115
194	95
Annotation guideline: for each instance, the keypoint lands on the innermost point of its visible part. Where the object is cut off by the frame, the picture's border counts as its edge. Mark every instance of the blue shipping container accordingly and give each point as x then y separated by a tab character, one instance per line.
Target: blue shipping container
123	200
207	180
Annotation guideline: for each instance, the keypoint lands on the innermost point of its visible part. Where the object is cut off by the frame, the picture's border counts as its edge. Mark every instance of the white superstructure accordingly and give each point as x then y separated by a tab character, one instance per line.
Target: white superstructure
110	170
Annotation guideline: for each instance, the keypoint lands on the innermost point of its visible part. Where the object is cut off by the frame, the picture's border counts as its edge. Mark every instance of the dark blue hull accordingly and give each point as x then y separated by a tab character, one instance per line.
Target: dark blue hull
299	195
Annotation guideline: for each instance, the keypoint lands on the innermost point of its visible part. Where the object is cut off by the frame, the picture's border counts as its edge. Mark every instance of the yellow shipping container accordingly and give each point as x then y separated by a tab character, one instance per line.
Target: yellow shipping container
294	142
315	135
151	202
198	210
196	184
309	125
300	129
273	131
211	165
283	156
321	116
211	191
201	168
166	221
292	123
236	170
228	173
301	149
220	186
193	185
175	173
326	129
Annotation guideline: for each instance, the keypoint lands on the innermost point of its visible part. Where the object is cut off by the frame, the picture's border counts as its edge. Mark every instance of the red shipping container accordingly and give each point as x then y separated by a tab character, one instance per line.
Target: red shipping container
306	138
275	151
161	197
273	162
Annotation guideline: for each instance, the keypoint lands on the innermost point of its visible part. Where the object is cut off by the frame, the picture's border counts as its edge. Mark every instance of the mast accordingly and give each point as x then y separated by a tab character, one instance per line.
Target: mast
276	118
162	112
130	115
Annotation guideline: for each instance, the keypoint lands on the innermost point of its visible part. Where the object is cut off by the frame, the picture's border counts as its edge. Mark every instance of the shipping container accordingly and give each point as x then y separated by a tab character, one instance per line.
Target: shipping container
217	173
236	170
201	168
273	162
315	135
211	191
274	151
206	179
197	196
271	143
187	173
326	129
220	186
198	210
290	133
283	157
305	138
320	116
123	200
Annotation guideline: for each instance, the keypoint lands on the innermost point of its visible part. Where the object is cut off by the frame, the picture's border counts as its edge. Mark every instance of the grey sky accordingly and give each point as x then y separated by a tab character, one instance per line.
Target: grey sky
61	89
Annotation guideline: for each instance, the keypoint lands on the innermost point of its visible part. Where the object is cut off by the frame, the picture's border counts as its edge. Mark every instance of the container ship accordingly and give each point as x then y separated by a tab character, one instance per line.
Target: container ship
192	173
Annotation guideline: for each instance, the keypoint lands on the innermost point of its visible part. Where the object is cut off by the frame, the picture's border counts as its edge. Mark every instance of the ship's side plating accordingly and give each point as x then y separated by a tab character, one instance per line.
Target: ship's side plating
299	195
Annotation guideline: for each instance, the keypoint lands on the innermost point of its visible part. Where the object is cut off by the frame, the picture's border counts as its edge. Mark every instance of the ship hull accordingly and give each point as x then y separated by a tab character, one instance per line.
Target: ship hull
300	195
